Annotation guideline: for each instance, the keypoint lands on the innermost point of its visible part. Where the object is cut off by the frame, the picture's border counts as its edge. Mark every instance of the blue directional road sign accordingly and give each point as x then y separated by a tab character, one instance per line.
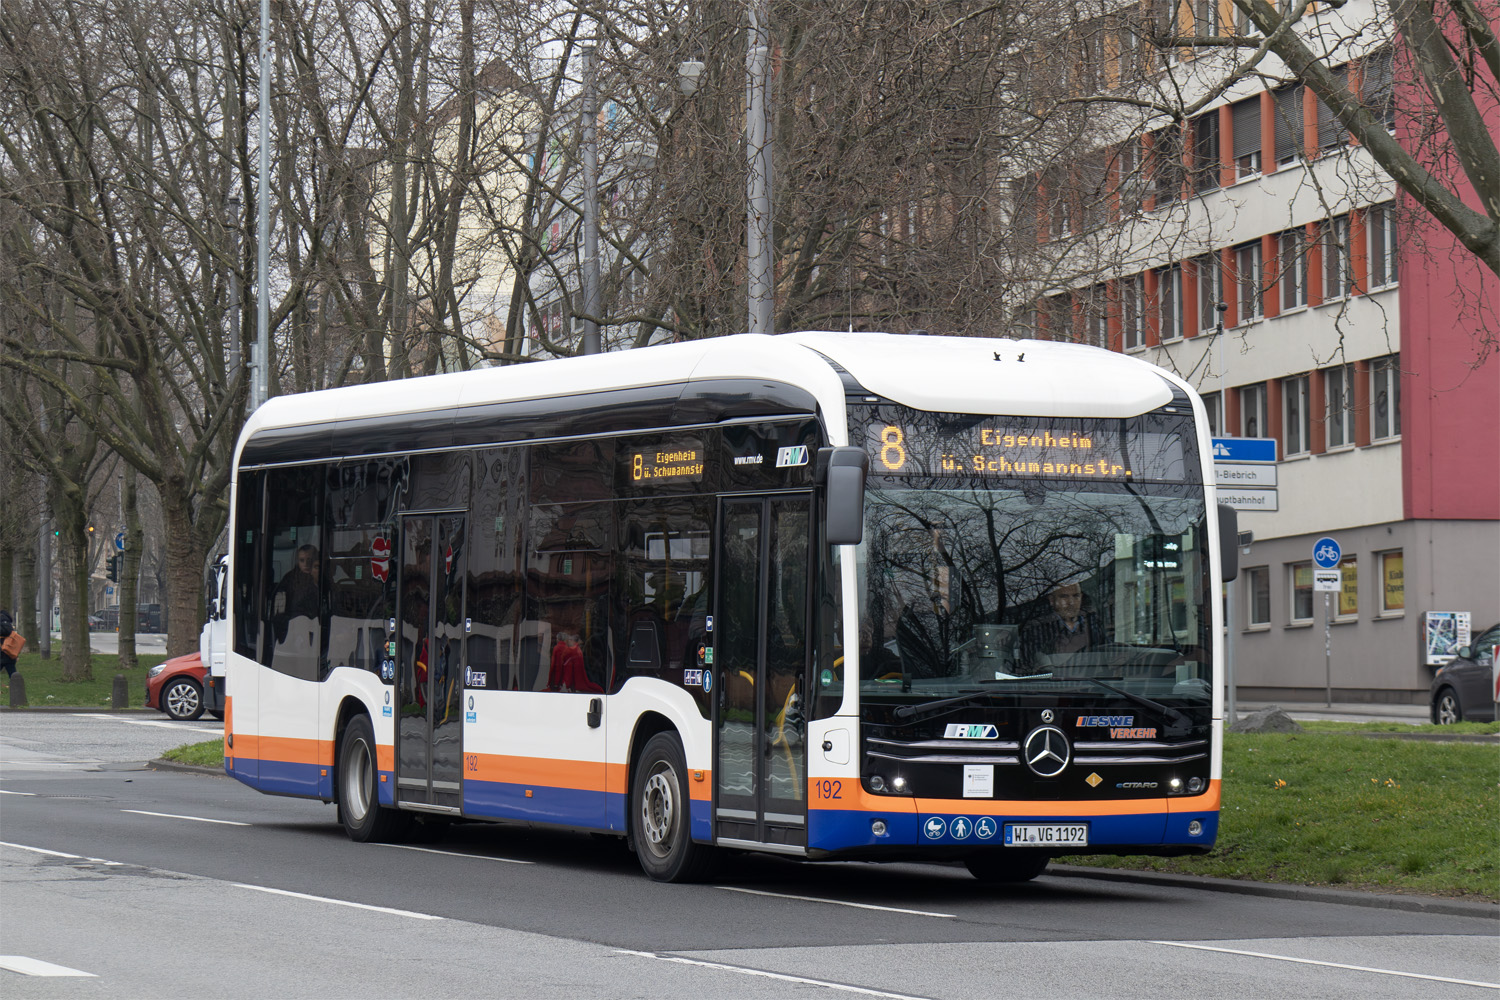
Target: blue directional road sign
120	542
1326	553
1244	449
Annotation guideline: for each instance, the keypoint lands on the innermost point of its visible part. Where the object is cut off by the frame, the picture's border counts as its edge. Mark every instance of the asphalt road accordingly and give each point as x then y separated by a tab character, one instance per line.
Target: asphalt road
164	884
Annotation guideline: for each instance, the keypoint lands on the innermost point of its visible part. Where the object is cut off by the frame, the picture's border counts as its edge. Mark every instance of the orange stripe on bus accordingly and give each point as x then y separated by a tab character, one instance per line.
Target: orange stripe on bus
582	775
285	749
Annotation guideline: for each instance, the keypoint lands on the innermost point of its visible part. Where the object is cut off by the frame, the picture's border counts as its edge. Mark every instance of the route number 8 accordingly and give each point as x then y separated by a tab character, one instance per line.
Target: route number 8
892	452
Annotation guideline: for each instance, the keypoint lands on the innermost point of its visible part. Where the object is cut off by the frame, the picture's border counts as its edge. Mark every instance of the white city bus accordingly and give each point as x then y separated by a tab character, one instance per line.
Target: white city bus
826	595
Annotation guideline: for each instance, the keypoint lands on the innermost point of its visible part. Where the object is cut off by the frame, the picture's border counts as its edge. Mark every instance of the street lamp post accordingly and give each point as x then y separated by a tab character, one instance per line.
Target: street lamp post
758	178
590	208
262	386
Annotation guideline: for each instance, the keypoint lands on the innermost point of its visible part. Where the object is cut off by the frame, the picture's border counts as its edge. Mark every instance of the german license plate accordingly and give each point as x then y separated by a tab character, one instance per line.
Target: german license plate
1046	834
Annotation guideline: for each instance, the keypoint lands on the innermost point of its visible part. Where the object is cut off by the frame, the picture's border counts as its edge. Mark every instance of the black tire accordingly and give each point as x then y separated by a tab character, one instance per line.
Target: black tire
1016	865
364	818
216	715
1446	708
182	699
660	821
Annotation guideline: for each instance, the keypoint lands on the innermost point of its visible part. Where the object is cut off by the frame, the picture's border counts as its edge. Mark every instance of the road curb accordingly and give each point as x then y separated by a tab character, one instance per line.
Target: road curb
1305	893
75	709
162	764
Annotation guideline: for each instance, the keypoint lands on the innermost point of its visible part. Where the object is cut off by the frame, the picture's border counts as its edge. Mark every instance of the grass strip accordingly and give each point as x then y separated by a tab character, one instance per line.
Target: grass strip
1341	809
45	687
209	753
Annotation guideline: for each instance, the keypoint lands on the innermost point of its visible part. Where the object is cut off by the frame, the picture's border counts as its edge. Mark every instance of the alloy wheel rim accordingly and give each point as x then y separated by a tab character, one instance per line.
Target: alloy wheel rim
659	810
357	784
182	700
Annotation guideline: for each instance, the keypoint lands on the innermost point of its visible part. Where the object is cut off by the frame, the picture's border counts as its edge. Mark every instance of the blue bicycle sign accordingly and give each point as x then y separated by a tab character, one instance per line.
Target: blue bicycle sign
1326	553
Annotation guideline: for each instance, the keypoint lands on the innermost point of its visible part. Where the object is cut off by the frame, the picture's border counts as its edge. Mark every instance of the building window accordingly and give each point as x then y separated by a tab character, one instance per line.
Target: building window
1292	259
1213	402
1206	17
1132	312
1096	316
1338	386
1253	411
1258	596
1381	222
1348	588
1377	89
1169	292
1338	271
1331	132
1296	421
1244	118
1247	264
1288	124
1130	58
1300	575
1167	172
1392	583
1385	397
1210	293
1206	152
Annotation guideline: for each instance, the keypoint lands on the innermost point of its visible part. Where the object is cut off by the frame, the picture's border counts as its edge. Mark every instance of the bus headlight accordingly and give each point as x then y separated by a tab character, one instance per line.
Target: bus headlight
1195	829
1195	785
877	783
898	784
877	827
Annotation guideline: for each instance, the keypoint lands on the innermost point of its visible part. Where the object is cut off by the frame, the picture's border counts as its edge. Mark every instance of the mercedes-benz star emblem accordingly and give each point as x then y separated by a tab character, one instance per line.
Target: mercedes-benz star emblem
1046	715
1047	751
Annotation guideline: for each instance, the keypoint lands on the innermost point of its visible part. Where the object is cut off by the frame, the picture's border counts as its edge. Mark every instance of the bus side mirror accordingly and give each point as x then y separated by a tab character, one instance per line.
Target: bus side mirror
1229	543
844	471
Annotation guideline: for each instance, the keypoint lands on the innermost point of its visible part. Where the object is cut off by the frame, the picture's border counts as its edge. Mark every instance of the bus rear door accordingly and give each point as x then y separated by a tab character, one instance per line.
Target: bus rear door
430	662
760	641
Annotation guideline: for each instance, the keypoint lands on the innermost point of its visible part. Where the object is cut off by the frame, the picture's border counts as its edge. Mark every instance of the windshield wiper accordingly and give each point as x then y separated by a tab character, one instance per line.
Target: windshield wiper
1174	716
907	711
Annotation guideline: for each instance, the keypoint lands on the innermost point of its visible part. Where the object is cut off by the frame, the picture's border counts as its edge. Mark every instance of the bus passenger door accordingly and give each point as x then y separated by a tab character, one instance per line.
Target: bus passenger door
430	659
760	642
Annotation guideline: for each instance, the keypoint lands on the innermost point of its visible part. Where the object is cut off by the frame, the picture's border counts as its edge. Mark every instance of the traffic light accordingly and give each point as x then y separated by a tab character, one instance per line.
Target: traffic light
114	569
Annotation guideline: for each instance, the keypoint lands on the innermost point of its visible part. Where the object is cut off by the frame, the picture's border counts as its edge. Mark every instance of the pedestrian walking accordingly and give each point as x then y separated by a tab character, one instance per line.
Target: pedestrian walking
11	643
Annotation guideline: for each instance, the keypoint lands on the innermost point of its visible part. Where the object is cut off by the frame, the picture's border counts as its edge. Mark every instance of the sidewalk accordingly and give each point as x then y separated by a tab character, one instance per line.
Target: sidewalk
1346	711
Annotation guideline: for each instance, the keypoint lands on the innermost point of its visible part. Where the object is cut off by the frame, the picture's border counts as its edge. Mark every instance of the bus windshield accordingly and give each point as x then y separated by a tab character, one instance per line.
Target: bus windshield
1014	584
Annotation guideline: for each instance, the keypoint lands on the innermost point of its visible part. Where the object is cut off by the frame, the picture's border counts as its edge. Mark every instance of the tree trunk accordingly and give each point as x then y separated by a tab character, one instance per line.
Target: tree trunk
185	555
130	570
71	520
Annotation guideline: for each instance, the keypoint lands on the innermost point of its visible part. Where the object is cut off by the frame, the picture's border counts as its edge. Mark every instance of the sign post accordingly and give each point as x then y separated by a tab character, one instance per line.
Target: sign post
1326	558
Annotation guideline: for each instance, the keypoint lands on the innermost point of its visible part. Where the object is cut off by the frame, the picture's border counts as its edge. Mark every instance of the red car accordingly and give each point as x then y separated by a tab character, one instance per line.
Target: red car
176	687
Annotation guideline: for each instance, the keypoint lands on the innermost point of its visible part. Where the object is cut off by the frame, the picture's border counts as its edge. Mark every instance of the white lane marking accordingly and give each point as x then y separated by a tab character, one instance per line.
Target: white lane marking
457	854
150	722
6	791
57	854
1331	965
196	819
769	975
337	902
838	902
36	967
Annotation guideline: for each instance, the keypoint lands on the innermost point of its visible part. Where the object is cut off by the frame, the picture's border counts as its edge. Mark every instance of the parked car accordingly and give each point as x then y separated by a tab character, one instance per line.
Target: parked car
176	687
1463	688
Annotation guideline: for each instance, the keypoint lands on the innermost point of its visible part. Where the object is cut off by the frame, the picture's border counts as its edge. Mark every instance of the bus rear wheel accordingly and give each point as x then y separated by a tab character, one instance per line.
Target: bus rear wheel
660	821
997	869
364	818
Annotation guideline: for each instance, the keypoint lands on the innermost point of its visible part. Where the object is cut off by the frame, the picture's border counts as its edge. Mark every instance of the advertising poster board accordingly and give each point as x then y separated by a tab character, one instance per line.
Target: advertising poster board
1443	632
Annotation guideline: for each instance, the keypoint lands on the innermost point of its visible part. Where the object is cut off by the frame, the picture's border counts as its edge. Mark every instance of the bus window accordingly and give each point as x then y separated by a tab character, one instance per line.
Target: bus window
364	498
494	602
294	609
569	572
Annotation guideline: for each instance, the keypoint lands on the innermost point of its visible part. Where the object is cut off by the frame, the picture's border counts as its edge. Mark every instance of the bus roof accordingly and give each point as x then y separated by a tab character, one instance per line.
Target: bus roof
950	374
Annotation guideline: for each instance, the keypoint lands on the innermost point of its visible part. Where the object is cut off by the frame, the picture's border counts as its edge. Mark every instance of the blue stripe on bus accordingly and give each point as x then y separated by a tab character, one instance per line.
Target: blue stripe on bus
282	778
834	829
565	806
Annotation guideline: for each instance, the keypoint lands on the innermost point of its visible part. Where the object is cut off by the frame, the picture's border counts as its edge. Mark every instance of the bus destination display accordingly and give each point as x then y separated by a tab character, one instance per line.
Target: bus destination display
678	461
1100	450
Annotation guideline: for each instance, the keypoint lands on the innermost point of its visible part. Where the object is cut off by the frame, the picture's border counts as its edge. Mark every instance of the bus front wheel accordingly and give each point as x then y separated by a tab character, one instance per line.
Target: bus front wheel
1020	866
364	818
660	821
